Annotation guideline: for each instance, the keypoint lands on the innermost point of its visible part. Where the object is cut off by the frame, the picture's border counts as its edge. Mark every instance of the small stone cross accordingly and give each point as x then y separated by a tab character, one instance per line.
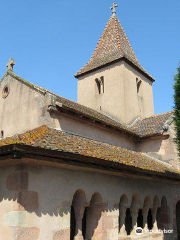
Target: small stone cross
113	8
10	64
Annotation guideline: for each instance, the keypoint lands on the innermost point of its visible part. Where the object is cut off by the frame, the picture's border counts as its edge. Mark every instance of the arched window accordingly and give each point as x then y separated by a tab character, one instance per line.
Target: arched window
128	222
123	205
77	210
93	216
100	85
140	219
150	220
84	223
138	84
162	215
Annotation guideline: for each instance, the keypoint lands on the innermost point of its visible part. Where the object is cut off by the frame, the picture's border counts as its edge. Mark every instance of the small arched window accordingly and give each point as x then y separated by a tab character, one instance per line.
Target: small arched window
5	92
138	84
100	85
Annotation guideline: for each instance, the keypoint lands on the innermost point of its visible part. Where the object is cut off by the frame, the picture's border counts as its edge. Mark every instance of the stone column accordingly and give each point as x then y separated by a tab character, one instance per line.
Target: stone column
110	223
79	212
154	219
17	185
145	215
170	218
134	215
122	230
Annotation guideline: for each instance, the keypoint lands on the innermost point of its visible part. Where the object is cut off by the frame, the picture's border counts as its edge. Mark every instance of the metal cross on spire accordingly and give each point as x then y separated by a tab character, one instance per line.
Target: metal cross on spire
113	8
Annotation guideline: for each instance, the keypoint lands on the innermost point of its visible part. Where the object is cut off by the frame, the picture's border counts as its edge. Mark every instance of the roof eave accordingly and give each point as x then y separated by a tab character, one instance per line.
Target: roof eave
16	153
77	75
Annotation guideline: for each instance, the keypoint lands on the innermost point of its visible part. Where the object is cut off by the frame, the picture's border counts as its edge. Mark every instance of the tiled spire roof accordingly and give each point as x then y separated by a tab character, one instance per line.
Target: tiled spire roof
113	45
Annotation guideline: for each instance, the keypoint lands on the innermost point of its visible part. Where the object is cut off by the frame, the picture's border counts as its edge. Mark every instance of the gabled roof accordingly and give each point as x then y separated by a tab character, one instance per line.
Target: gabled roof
147	127
76	108
61	142
112	46
154	125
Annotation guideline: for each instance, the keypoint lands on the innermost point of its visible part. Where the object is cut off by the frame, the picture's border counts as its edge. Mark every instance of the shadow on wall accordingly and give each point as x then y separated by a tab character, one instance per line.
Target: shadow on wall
78	217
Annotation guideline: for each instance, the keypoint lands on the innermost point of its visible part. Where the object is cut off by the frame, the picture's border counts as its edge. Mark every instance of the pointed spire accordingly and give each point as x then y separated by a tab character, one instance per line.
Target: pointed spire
112	46
113	8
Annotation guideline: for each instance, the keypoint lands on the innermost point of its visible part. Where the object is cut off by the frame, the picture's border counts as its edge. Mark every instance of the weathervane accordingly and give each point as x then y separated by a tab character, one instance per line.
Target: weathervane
113	8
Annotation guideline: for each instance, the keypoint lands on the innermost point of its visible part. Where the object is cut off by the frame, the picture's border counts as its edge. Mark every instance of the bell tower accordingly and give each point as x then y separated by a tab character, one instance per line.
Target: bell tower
113	81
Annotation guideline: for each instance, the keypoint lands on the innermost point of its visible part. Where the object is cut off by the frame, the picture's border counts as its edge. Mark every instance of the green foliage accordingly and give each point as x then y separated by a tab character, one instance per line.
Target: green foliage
177	107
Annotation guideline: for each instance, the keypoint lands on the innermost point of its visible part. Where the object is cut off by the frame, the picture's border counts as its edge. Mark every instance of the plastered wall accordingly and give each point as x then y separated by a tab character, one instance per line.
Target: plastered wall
120	99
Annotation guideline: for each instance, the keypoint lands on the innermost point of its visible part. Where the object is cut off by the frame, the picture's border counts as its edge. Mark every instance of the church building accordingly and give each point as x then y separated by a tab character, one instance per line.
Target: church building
102	168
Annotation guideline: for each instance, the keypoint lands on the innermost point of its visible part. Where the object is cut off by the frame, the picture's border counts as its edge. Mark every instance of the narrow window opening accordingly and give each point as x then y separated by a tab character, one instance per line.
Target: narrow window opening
138	84
5	92
140	219
150	220
100	85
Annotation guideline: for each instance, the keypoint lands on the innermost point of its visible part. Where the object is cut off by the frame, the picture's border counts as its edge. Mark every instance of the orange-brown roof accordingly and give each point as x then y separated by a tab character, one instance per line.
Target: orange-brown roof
113	45
153	125
58	141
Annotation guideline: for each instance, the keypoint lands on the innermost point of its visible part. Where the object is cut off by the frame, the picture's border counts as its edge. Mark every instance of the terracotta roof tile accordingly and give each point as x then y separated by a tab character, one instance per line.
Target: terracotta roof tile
142	128
113	45
55	140
152	125
78	108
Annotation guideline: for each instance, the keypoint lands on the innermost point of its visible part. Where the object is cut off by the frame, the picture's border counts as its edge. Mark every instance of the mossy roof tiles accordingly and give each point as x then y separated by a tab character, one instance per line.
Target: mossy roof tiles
55	140
152	125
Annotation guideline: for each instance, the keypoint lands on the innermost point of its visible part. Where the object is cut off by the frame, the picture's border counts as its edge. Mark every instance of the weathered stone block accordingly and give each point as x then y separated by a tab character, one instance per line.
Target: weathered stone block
156	235
63	234
107	223
17	181
14	219
25	233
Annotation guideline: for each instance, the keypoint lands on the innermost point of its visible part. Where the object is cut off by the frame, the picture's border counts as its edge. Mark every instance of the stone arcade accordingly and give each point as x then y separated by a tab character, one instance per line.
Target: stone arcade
96	169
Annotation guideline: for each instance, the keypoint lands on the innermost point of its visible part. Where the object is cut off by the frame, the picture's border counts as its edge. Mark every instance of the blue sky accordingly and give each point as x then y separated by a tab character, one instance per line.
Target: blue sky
52	40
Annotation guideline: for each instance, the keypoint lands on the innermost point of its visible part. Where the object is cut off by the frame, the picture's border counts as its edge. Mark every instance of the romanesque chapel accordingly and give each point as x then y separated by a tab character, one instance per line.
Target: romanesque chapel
103	168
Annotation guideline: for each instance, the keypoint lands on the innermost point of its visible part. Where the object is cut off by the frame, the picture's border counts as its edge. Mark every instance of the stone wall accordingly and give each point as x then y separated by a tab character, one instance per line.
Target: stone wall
162	147
22	109
41	202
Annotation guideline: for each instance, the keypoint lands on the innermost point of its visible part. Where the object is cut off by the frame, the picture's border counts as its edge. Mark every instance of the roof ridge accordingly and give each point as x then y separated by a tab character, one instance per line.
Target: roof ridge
113	45
118	35
159	114
92	114
36	87
127	39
